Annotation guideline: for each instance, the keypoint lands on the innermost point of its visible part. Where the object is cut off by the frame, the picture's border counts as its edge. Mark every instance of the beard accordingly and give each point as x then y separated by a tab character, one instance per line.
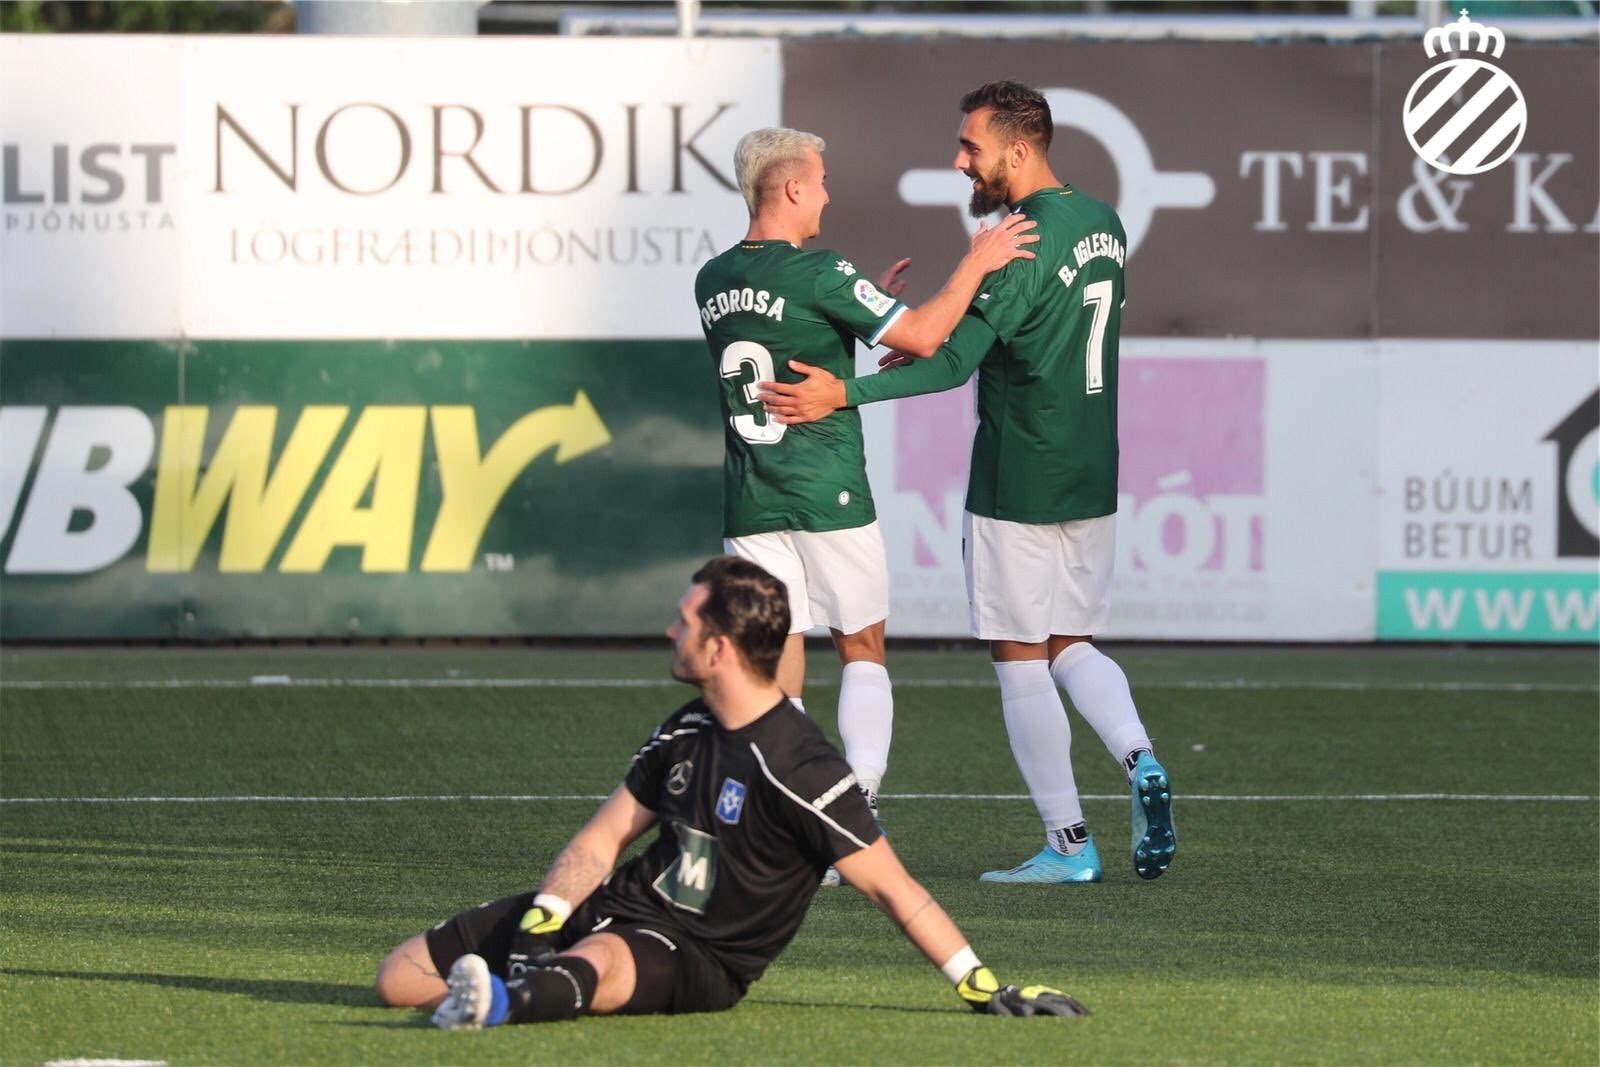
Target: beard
682	672
992	195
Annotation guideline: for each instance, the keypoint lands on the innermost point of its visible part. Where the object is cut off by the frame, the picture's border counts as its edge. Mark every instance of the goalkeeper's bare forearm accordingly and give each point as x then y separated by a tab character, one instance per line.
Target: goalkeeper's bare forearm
592	853
877	872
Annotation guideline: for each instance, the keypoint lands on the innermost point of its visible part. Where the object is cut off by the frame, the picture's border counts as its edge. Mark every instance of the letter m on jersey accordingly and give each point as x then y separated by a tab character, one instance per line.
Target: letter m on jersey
688	882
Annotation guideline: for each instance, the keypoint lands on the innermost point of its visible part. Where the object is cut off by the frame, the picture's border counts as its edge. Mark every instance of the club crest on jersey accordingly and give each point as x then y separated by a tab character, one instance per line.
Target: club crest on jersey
730	802
872	298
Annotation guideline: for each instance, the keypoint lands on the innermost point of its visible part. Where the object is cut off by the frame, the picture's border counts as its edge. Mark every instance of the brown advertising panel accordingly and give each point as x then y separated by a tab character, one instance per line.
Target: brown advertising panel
1268	190
1507	253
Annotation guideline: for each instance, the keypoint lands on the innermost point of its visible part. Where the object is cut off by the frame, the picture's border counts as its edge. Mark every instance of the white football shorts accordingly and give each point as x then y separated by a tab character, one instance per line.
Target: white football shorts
838	579
1026	581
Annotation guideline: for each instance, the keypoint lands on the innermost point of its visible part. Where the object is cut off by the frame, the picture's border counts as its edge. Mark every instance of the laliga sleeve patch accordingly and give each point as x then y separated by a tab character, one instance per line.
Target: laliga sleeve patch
872	298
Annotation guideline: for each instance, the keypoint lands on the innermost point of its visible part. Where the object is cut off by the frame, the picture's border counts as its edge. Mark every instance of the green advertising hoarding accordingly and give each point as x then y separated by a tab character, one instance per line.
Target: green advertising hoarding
219	489
1488	606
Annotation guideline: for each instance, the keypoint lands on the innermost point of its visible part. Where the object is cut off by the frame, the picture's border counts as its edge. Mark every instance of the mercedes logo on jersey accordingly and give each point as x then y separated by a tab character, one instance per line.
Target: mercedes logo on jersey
678	777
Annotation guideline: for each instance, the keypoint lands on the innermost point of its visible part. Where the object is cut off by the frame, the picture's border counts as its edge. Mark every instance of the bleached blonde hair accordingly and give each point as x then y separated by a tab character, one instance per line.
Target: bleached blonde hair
762	152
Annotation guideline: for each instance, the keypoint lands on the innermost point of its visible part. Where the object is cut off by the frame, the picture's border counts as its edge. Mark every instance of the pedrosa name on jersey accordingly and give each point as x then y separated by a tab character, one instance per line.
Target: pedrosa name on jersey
757	300
81	514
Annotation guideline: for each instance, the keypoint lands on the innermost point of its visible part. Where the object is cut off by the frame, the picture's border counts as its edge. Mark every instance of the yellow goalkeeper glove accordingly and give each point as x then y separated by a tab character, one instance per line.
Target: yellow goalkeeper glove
534	941
984	993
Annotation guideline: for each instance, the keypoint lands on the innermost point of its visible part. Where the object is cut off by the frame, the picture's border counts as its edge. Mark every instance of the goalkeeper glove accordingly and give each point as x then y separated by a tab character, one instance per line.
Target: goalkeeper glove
534	941
983	993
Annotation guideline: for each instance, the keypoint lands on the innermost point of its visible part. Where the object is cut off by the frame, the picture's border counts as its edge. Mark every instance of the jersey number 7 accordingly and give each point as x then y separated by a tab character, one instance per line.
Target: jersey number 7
1097	294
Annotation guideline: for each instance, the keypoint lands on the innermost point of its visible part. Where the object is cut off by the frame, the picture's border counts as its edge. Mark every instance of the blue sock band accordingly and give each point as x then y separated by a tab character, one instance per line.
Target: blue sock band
499	1003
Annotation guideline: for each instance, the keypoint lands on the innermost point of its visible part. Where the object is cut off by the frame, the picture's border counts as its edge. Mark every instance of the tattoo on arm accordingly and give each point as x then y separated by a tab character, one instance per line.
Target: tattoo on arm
575	873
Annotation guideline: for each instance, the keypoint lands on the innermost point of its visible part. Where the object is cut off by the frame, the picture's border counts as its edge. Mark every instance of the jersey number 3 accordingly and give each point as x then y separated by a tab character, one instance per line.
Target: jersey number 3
746	365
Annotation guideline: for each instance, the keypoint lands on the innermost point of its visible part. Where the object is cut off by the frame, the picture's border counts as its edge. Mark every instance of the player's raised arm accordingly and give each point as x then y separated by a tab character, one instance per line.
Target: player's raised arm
877	872
921	330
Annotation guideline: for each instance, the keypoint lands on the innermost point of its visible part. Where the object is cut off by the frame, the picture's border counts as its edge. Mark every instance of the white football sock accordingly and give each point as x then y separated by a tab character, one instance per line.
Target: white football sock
1068	840
1099	690
866	721
1041	740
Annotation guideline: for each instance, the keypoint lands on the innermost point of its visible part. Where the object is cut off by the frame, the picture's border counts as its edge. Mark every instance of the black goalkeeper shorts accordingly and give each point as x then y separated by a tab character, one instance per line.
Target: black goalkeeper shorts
674	974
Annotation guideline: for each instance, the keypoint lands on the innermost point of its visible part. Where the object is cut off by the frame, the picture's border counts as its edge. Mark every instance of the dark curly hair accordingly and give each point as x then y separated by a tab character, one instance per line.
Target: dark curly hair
748	606
1020	113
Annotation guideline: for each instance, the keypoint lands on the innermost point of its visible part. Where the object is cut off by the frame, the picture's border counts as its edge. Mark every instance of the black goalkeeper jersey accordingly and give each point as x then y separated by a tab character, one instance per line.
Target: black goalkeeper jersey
749	820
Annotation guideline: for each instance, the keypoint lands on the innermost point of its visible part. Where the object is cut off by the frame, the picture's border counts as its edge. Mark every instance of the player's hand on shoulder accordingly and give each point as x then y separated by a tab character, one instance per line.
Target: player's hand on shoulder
984	993
994	247
817	395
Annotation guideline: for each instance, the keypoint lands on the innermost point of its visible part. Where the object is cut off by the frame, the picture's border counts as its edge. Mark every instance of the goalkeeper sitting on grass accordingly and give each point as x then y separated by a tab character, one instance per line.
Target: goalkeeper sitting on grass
751	803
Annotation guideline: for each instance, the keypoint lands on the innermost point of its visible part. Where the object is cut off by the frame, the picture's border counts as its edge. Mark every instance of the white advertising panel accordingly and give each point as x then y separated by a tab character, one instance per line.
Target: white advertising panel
89	129
359	188
1246	503
1488	514
480	188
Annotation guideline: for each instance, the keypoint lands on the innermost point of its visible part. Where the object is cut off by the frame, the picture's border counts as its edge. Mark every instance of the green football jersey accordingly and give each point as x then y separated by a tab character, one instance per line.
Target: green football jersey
1042	334
763	303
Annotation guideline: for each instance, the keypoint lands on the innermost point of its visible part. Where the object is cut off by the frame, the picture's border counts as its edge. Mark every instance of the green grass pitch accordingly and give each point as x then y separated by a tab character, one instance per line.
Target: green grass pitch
1334	918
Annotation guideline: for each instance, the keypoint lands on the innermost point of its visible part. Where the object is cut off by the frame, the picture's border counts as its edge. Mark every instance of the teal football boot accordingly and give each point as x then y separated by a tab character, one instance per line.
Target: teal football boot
1155	841
1050	867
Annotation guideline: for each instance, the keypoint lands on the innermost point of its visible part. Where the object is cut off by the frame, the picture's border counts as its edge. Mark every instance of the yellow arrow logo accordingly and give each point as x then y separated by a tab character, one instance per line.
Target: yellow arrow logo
473	486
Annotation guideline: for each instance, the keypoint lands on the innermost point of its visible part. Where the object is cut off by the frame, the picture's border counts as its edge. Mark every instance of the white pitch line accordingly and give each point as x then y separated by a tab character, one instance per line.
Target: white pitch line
278	682
1427	687
1269	797
526	797
271	799
285	682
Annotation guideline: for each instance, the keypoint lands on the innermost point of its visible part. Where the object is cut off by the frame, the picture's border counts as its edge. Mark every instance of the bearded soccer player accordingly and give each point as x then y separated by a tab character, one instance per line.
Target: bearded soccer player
1039	531
750	803
795	498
